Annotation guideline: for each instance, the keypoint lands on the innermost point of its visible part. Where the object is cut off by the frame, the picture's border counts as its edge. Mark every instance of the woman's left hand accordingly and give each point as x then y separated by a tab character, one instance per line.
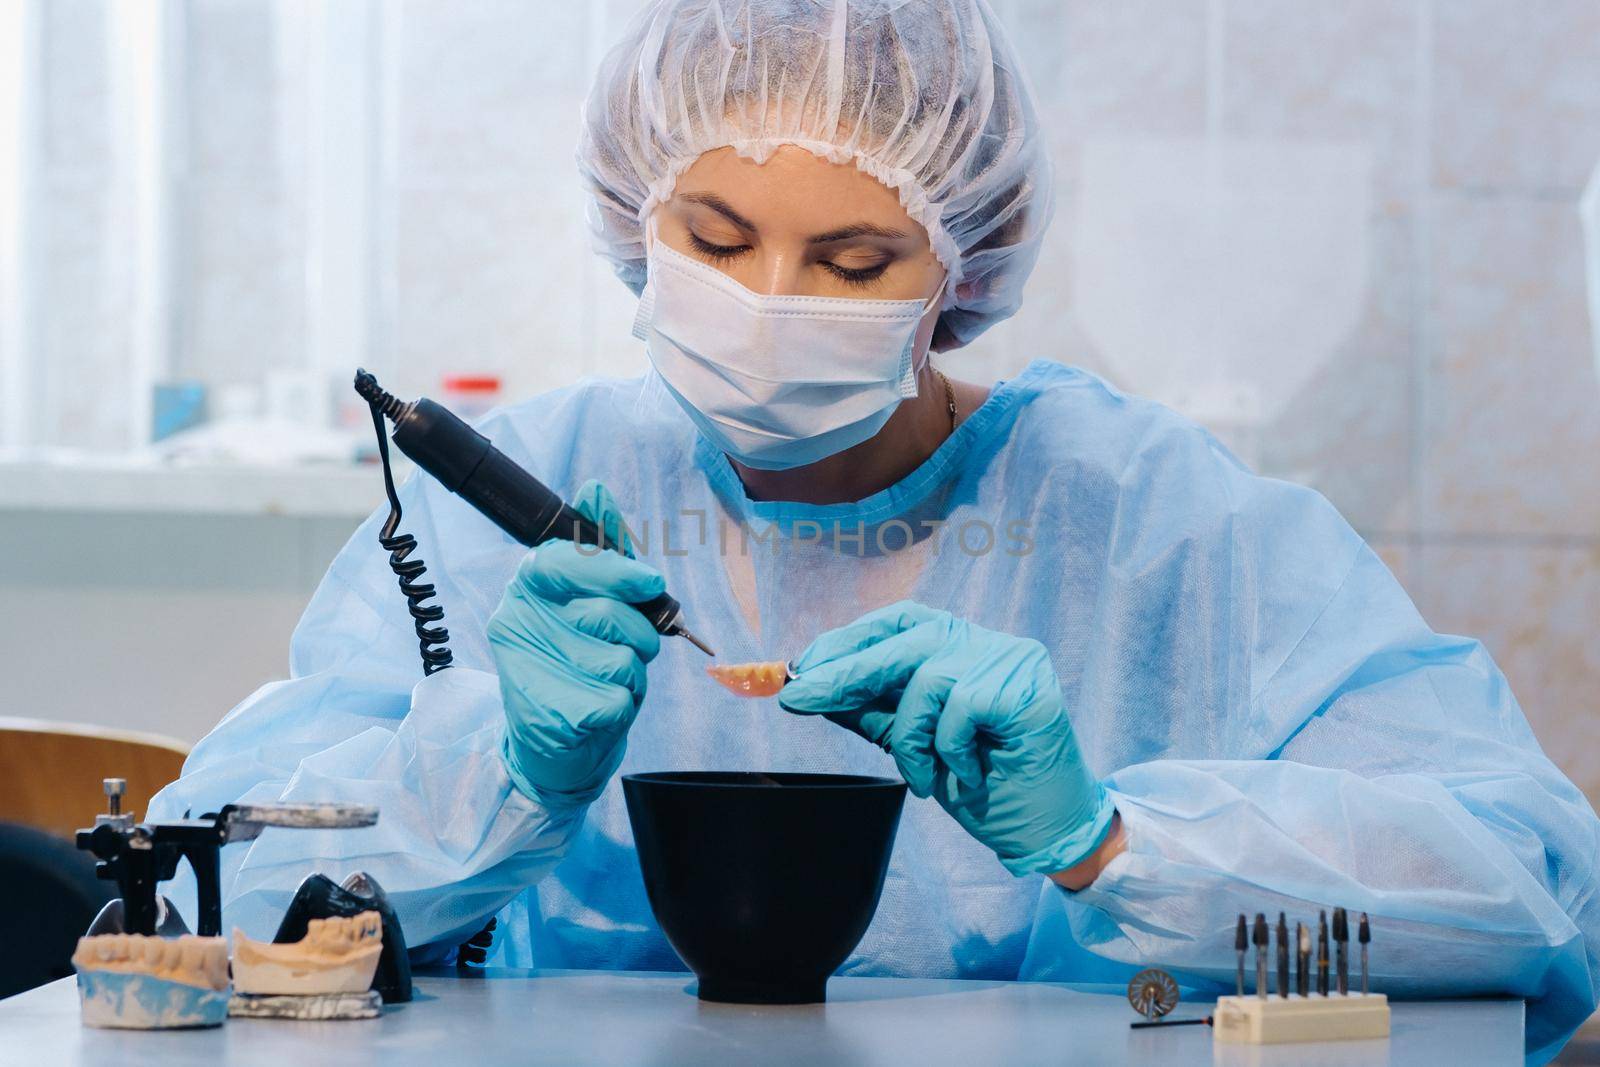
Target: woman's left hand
973	718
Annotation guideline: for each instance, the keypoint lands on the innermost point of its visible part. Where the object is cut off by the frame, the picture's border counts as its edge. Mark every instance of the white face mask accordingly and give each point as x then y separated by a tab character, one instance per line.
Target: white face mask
775	381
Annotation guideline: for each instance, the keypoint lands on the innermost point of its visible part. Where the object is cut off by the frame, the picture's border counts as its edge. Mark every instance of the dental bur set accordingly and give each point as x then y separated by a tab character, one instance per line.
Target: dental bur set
1328	1014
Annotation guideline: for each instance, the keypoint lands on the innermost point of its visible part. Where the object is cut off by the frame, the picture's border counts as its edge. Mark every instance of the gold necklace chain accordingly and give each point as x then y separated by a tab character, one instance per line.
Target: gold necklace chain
949	396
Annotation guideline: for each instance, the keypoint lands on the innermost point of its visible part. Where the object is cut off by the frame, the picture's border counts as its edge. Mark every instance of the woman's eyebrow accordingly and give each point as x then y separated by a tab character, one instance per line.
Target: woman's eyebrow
856	229
721	207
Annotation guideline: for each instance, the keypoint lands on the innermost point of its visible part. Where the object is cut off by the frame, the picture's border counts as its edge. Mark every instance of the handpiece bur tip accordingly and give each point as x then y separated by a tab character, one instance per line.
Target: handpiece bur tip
683	631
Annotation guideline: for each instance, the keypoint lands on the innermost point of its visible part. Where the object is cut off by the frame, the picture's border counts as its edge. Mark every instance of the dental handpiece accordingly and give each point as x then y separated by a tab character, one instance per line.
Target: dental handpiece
467	464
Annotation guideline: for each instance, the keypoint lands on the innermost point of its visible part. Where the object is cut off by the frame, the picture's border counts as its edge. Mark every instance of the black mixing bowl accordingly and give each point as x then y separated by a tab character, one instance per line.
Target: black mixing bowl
763	883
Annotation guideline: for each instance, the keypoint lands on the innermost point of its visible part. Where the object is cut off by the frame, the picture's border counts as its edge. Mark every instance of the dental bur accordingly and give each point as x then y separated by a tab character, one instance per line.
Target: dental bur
1241	943
1261	955
1341	950
1302	967
1364	935
1322	953
1283	955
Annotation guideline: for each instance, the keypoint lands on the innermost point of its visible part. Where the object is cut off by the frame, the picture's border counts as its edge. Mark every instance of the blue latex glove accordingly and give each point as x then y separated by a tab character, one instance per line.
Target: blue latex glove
571	654
973	718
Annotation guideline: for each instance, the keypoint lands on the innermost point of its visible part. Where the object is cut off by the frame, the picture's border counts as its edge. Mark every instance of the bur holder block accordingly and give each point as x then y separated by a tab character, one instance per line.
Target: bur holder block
1293	1019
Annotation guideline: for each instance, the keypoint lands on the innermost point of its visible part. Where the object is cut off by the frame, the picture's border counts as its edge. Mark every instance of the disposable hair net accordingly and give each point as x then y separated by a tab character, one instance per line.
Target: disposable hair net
927	96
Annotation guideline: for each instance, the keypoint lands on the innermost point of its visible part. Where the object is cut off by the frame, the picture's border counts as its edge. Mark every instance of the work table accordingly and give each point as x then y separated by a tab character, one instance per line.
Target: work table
574	1018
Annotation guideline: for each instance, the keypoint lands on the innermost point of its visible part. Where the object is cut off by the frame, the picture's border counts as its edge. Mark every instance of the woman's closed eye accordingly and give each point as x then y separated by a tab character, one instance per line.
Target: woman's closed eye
853	269
713	250
855	275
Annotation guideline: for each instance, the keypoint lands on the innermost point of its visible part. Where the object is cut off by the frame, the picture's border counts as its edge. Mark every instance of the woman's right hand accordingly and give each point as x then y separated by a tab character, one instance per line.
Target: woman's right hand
571	654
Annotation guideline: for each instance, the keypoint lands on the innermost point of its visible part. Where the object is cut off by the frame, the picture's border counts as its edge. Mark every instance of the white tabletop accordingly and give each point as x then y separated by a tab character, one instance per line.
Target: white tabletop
604	1018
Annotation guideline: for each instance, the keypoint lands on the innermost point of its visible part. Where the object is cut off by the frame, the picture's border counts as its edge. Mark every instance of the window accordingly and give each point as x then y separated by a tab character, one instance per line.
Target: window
257	196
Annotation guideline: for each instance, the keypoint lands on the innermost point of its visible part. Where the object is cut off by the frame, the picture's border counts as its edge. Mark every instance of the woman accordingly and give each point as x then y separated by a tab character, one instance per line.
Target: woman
1098	648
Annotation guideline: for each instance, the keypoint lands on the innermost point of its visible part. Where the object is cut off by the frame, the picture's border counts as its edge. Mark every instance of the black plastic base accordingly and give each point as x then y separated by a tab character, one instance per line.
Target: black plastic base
319	898
736	992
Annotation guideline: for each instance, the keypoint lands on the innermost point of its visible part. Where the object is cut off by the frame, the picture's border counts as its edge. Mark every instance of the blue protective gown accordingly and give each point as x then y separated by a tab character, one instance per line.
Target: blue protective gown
1278	727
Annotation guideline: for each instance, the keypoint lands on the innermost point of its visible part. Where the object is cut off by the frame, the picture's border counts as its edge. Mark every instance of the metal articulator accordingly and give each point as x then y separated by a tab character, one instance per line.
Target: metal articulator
139	856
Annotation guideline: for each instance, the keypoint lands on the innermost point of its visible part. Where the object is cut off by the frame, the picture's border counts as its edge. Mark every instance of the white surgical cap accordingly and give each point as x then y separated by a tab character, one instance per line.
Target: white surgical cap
924	95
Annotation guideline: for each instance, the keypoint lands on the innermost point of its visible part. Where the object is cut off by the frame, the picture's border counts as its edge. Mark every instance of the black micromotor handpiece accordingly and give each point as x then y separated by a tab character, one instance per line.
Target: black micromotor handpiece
464	462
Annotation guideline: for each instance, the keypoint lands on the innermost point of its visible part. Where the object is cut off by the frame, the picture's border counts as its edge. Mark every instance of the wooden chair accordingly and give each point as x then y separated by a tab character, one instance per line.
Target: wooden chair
51	773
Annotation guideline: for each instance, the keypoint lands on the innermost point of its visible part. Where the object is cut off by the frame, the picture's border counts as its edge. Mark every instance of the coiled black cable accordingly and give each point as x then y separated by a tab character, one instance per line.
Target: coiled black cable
431	639
368	389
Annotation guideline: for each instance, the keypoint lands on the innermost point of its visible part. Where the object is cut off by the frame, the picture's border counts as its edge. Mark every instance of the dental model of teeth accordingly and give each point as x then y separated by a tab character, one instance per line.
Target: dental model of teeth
136	982
337	955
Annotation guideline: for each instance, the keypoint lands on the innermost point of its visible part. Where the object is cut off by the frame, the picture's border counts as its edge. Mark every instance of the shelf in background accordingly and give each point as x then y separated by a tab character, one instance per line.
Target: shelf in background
111	486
